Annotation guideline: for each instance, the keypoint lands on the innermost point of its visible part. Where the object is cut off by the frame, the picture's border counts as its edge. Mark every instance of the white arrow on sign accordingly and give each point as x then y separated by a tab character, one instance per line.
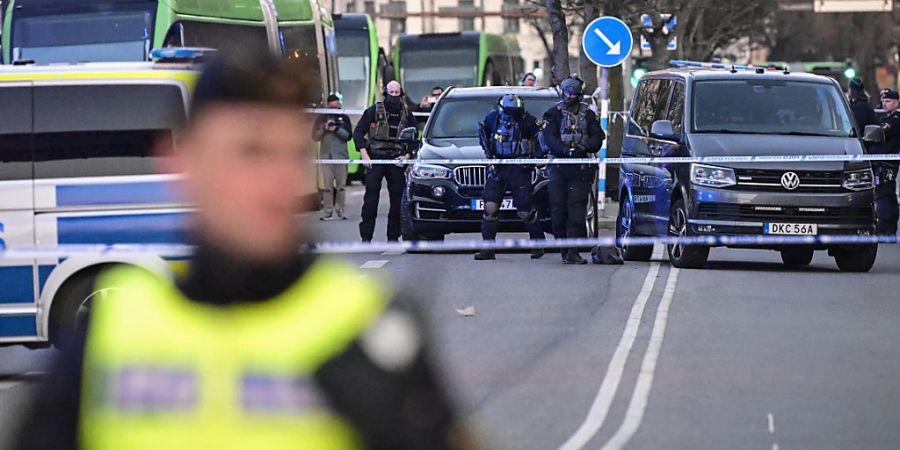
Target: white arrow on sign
614	49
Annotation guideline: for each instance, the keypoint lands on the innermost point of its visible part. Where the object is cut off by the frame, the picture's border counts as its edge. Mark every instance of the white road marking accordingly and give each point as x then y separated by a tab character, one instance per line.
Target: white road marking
374	264
771	424
602	402
774	446
9	384
639	398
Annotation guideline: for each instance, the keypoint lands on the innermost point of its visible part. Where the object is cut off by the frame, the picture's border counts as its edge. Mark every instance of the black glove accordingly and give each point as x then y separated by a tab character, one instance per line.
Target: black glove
579	151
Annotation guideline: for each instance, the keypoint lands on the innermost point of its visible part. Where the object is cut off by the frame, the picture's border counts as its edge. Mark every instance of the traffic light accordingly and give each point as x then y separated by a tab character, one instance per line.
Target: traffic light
850	72
638	70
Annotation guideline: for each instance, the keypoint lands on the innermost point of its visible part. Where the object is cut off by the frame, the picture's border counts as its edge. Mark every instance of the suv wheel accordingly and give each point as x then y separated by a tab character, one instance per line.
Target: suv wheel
855	258
407	228
624	223
681	255
591	219
797	256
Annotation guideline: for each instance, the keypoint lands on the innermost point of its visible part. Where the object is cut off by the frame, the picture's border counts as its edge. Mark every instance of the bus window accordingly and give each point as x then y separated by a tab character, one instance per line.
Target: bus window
83	131
102	32
300	43
223	37
421	70
354	64
15	133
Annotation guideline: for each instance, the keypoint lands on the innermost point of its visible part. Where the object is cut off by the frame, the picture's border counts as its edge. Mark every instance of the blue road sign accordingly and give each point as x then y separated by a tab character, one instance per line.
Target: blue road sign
607	41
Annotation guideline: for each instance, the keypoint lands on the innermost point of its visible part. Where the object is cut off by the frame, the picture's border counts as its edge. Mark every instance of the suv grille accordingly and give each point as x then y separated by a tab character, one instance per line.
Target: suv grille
770	180
470	176
760	213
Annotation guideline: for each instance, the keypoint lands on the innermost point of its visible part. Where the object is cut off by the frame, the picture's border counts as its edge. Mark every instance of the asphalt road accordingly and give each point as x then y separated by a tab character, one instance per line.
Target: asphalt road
743	354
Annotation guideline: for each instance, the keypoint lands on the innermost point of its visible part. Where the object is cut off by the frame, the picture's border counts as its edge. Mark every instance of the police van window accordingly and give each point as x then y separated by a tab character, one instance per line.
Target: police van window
648	102
83	131
15	133
676	108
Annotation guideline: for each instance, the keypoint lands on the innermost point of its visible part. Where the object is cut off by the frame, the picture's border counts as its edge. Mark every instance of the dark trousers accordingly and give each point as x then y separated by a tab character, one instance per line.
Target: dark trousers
886	208
517	180
570	188
396	181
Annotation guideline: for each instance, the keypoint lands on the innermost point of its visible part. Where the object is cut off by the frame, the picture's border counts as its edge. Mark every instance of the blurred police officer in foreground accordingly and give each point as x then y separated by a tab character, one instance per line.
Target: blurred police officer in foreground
333	131
886	209
377	136
863	112
571	130
508	132
259	346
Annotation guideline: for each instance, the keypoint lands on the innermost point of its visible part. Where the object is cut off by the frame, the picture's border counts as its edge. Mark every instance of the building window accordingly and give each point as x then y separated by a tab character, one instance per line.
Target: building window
398	26
466	23
370	7
511	24
351	7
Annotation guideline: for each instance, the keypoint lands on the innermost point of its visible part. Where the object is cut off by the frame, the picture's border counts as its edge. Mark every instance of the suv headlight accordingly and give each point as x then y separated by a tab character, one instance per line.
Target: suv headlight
429	172
859	180
712	176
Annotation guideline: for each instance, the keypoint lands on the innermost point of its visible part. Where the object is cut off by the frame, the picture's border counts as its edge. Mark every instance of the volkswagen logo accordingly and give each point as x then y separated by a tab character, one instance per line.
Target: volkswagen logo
790	181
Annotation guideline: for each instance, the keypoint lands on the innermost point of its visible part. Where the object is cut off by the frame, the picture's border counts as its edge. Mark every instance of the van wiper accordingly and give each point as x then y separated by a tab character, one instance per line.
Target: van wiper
726	131
808	133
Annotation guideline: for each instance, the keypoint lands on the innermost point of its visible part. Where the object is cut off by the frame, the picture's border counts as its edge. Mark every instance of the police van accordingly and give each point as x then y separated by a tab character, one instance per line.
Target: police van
77	167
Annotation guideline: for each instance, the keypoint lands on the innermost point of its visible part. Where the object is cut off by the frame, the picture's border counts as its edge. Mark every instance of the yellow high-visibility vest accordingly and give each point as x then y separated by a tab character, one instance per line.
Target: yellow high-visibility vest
163	372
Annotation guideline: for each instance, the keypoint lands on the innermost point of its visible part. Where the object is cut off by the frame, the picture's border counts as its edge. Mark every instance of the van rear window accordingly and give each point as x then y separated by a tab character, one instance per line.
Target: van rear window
82	131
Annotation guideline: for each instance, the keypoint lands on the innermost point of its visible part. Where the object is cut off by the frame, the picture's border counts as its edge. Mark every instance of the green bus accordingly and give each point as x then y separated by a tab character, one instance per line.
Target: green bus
466	59
66	31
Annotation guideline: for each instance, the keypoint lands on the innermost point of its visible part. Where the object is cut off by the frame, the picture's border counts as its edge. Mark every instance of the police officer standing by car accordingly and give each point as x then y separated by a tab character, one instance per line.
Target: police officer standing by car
886	209
508	132
571	130
863	112
377	136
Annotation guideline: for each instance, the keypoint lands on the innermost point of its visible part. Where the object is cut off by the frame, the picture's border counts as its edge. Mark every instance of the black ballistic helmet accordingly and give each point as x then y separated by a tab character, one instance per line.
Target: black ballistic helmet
511	105
572	89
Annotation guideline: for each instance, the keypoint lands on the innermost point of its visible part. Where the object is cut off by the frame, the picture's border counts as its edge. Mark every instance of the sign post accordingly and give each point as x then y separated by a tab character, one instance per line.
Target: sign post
607	42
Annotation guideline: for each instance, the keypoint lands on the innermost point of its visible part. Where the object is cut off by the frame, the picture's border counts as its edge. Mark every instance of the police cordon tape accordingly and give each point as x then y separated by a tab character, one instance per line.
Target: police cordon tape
185	251
635	160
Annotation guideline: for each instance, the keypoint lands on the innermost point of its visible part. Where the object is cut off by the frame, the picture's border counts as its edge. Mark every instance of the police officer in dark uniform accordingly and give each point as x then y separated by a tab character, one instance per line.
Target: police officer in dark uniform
863	112
508	132
571	130
377	138
886	209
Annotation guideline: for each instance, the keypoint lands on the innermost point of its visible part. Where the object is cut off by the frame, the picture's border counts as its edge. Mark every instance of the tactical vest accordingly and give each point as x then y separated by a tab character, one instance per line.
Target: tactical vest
507	139
163	372
573	128
384	136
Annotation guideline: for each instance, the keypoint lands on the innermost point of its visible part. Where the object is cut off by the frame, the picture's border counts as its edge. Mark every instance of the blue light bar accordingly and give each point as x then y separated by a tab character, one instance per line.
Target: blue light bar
181	53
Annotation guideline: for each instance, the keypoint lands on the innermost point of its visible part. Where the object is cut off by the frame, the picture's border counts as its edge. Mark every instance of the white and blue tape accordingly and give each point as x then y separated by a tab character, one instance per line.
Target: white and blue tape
635	160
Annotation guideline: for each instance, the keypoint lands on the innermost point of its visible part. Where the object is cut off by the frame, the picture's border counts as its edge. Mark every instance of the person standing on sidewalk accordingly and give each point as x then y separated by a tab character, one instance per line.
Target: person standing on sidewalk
333	131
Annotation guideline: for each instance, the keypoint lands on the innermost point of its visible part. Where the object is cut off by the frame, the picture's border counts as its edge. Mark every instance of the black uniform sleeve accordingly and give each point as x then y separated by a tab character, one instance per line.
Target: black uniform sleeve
531	127
51	420
392	408
551	134
595	133
864	115
362	128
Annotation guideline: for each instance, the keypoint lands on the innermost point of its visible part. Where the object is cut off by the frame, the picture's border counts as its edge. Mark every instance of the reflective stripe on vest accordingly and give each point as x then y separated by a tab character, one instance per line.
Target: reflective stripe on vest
164	372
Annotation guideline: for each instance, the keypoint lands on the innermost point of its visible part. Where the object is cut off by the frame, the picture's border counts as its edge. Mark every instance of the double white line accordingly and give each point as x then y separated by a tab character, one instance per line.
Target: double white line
638	404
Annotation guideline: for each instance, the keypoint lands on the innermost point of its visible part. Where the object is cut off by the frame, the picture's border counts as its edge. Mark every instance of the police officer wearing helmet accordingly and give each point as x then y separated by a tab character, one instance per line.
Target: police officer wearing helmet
571	130
508	132
259	345
886	209
377	136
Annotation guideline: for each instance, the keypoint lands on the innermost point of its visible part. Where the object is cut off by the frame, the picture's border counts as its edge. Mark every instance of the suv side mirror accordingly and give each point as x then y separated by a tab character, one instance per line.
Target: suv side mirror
873	133
663	129
408	134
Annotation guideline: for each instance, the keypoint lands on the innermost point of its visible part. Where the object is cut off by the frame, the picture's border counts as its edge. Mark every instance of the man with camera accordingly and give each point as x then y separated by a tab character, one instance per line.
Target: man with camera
333	131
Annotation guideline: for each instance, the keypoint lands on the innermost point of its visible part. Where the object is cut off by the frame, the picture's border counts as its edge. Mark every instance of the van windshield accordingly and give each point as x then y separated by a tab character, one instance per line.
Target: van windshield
770	107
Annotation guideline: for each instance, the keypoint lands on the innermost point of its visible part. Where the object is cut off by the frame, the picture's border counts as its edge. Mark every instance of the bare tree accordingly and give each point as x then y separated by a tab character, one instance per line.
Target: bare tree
560	54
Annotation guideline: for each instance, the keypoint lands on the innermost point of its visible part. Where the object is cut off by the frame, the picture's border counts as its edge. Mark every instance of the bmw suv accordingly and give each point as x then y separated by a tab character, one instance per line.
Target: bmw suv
442	199
696	112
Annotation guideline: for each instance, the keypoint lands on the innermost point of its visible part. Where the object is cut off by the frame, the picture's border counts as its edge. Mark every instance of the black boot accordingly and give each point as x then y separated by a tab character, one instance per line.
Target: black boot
537	253
572	257
485	255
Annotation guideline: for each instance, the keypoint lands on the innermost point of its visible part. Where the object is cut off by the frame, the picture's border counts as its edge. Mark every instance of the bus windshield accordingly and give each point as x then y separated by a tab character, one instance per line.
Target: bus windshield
770	107
300	43
422	70
101	32
354	64
223	37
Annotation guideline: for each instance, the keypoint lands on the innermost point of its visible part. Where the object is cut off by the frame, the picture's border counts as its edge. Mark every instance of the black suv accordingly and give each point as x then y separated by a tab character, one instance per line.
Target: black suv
704	112
443	199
